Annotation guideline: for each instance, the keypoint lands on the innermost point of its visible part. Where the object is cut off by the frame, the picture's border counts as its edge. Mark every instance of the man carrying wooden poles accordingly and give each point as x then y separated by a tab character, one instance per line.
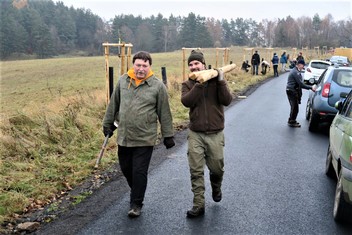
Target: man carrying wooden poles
205	93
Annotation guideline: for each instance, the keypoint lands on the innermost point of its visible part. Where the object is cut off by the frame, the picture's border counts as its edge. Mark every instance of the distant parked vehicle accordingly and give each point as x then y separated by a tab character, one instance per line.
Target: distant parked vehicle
314	69
340	60
321	103
339	159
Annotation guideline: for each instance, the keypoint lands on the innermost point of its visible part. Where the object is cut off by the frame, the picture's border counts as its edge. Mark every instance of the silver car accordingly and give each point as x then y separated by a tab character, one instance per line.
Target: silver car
340	60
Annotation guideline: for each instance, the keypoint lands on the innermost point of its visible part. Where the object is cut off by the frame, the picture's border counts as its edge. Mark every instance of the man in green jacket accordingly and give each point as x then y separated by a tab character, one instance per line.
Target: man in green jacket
206	140
138	102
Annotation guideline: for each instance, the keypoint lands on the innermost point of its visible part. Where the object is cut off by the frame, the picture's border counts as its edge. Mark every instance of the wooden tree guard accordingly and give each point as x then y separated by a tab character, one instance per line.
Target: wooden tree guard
125	61
225	56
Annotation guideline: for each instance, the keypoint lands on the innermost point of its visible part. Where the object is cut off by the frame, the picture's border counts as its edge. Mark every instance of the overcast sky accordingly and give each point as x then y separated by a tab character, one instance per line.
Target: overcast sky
219	9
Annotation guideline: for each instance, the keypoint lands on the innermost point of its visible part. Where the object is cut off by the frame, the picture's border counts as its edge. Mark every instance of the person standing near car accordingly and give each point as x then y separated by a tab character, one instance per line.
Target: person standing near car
294	92
206	139
138	102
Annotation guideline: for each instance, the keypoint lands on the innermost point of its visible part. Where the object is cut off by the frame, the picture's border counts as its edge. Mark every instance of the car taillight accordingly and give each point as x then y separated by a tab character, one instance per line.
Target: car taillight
326	90
351	157
308	69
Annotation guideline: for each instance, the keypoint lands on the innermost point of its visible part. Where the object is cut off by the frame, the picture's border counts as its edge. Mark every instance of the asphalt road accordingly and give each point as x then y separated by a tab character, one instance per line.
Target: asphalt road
274	181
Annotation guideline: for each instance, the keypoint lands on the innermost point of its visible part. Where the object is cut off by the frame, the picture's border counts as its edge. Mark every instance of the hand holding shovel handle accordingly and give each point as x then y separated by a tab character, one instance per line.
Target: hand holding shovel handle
103	147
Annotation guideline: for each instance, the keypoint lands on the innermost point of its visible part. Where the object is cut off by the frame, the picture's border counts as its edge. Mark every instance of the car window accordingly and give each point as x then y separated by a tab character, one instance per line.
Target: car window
319	65
343	78
321	77
349	111
325	76
346	103
347	108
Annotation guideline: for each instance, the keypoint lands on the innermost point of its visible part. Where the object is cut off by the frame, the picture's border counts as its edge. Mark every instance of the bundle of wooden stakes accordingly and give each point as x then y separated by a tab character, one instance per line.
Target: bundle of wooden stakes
205	75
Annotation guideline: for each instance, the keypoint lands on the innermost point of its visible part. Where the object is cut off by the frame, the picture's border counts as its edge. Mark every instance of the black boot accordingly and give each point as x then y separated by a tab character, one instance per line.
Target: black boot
195	212
217	195
215	182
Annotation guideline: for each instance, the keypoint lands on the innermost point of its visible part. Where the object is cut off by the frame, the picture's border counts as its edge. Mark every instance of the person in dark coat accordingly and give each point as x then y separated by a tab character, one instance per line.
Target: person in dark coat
255	62
300	57
294	92
245	65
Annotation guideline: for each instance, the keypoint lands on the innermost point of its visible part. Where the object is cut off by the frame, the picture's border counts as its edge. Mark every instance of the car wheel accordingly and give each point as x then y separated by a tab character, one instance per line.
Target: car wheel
342	210
307	110
329	168
313	121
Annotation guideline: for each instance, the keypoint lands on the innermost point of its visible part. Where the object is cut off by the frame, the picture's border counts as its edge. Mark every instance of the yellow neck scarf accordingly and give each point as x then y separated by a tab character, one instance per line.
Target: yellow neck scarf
137	81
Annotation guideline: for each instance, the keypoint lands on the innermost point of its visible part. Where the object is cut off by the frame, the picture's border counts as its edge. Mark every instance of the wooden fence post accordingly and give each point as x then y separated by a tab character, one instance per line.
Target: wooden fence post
123	63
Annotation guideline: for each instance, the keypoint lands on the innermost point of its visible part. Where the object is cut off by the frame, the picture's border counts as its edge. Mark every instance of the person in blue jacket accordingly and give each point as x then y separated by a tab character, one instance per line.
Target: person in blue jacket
283	61
275	62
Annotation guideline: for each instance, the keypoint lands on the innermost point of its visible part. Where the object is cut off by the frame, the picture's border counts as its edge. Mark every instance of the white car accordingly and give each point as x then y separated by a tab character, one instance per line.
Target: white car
314	69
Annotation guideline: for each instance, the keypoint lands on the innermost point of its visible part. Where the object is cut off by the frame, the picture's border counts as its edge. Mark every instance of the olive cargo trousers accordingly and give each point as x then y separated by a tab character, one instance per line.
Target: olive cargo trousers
205	149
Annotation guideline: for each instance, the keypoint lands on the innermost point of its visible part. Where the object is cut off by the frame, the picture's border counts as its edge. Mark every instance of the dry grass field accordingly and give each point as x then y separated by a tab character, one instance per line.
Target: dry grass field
51	115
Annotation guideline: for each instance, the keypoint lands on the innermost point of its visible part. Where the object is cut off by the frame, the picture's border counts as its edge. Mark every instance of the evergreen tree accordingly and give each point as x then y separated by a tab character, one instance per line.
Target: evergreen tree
227	32
194	32
45	28
240	29
12	33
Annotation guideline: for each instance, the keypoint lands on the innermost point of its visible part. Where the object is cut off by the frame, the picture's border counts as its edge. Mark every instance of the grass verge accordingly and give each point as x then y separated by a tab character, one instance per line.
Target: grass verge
51	126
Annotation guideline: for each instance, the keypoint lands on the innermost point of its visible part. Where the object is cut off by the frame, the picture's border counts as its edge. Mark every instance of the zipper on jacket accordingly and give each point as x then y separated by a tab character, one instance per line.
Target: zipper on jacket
205	107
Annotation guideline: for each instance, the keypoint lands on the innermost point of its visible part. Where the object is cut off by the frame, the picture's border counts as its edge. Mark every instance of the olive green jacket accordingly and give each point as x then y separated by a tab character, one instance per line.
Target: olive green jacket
137	111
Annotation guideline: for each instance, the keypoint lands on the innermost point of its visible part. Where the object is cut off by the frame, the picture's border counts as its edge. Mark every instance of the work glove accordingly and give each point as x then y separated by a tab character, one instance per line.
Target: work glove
220	74
109	131
169	142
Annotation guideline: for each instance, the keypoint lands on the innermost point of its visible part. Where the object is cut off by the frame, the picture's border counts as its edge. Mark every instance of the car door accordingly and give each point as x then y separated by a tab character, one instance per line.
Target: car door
345	152
320	84
341	139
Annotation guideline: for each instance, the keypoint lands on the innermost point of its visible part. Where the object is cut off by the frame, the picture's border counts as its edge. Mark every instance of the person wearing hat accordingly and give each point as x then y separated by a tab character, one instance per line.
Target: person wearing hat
294	92
206	139
138	103
300	57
